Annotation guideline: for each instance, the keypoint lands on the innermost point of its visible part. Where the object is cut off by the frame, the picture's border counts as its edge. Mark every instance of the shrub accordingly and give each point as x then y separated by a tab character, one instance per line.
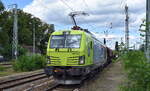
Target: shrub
1	68
138	72
29	63
7	51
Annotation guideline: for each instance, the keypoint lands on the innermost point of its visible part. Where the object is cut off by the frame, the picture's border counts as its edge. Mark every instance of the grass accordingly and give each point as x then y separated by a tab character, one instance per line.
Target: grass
29	63
1	68
24	63
137	70
7	71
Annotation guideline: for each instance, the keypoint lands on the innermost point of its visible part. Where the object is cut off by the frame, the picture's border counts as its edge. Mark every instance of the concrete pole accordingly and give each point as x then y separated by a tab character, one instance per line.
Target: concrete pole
148	30
126	28
33	36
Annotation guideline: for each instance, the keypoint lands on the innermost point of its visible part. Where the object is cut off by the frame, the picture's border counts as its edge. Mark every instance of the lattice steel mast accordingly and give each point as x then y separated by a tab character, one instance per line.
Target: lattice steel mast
15	33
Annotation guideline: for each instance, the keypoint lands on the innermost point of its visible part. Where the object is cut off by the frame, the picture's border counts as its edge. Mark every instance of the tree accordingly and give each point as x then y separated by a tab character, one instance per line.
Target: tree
141	47
1	6
26	23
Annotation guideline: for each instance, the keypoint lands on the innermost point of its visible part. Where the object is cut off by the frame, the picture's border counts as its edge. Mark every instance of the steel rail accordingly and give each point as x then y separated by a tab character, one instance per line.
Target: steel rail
21	80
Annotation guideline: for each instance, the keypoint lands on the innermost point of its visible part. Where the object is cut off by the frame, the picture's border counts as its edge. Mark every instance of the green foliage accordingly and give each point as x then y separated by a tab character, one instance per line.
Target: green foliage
1	6
116	59
22	51
7	51
138	72
142	47
1	68
29	63
26	24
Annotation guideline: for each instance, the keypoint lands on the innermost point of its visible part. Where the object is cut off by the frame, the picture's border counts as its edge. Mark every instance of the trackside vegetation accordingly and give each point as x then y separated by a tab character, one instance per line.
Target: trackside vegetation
1	68
29	62
137	70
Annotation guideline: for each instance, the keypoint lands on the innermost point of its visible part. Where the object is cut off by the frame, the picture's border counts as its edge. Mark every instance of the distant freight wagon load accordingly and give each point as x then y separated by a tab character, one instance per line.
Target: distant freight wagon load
73	55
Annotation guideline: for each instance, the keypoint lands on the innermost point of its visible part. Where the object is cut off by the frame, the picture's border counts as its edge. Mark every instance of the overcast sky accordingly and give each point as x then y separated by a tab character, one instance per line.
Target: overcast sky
101	14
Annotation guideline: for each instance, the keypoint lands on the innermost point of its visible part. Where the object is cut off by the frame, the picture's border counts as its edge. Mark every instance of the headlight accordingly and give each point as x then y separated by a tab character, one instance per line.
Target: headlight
48	59
81	59
48	62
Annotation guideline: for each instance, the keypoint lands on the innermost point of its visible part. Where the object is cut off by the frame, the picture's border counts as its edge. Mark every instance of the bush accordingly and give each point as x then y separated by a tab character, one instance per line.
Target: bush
138	72
1	68
29	63
7	51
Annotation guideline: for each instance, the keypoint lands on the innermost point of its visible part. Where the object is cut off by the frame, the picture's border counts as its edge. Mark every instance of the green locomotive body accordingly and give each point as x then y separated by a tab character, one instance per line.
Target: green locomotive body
72	55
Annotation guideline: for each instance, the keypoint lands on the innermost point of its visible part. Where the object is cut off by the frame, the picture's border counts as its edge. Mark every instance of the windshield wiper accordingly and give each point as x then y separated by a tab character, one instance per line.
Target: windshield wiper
57	49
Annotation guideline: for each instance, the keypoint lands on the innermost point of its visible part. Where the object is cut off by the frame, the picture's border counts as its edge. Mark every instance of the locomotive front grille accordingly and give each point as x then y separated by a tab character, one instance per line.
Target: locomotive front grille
72	60
64	60
55	60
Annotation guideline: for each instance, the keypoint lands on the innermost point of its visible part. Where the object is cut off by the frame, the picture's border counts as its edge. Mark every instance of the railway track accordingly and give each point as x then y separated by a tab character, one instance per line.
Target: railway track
58	87
5	63
7	84
51	85
47	85
6	66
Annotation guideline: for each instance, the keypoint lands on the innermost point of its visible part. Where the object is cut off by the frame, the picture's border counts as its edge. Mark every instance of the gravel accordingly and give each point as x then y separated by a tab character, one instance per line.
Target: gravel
107	80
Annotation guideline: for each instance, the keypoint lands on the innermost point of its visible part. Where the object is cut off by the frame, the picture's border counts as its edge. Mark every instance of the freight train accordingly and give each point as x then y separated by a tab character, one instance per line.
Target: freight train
73	55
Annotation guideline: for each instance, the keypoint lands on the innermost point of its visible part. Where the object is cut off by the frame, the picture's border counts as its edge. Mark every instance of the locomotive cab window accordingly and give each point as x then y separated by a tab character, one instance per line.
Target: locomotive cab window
65	41
57	41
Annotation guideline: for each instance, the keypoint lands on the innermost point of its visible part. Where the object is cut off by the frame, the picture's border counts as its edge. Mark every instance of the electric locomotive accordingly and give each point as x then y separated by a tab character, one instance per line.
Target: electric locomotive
74	54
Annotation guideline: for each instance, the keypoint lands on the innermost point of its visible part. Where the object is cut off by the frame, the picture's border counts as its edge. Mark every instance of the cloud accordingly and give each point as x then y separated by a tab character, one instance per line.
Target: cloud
101	13
102	36
112	38
56	11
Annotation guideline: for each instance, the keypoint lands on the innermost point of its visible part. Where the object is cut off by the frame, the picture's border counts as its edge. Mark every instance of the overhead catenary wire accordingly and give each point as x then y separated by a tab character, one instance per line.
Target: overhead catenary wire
85	3
47	8
65	3
90	13
107	27
69	7
87	6
123	3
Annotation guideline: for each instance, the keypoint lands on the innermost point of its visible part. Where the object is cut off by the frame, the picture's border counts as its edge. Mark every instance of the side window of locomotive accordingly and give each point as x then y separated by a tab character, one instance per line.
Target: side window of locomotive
102	52
88	51
97	51
89	48
91	45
